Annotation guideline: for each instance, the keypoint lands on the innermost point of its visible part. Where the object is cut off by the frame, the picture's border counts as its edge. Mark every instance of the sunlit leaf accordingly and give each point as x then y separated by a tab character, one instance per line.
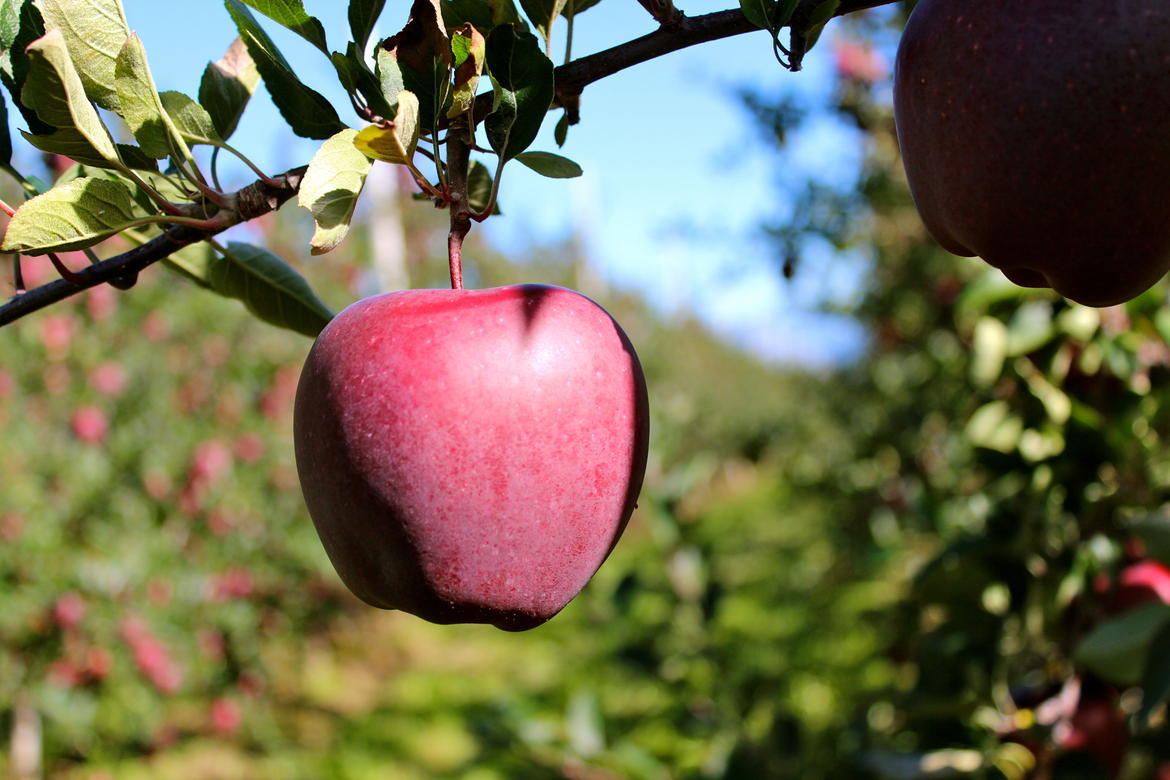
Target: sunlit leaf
396	143
138	101
94	32
189	119
331	186
54	90
20	25
75	215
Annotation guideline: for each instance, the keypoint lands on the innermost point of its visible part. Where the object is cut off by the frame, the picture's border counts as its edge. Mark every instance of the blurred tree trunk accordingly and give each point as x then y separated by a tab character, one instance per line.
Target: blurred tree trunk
25	741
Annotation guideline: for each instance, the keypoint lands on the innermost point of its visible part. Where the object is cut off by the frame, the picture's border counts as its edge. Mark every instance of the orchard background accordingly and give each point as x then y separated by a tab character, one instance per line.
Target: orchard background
943	558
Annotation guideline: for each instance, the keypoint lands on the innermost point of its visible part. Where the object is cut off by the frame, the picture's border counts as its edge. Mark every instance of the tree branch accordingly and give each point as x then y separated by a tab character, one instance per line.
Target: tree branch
690	31
663	12
574	76
253	201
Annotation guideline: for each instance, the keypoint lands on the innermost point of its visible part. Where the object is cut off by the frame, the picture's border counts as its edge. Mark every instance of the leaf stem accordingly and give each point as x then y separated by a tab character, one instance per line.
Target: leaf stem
265	178
66	273
215	168
164	204
495	191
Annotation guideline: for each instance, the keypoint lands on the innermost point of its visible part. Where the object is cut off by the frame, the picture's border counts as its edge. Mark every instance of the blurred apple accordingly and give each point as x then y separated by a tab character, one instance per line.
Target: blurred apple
225	716
90	424
471	455
69	610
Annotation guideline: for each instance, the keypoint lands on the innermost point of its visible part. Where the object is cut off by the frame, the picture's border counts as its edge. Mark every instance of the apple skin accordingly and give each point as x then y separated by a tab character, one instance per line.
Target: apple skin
1034	136
471	455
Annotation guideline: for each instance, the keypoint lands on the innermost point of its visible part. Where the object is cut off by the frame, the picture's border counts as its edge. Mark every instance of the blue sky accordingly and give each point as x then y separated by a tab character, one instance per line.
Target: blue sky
676	183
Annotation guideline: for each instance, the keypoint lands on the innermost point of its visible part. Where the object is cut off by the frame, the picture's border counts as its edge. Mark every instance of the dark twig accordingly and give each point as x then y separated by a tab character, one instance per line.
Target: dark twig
253	201
663	12
573	77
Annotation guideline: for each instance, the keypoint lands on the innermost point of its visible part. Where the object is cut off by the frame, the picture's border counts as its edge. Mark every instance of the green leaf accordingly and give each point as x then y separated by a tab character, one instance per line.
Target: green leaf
505	12
9	27
759	12
75	215
139	103
807	31
457	13
331	187
363	16
346	71
198	256
268	286
389	74
307	111
1156	675
551	165
524	88
479	187
419	55
291	14
396	143
227	86
368	85
1117	649
162	184
561	131
468	48
190	119
484	15
542	14
94	32
54	90
133	157
20	25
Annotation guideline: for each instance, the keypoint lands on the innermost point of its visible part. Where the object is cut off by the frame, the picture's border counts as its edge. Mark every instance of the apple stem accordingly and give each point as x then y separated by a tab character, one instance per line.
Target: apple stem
460	136
455	251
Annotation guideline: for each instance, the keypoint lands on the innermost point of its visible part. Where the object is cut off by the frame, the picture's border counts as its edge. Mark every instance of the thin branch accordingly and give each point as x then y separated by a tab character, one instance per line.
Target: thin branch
253	201
663	12
573	77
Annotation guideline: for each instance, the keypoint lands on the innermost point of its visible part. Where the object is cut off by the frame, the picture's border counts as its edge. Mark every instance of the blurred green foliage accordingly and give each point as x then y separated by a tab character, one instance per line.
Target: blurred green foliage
942	560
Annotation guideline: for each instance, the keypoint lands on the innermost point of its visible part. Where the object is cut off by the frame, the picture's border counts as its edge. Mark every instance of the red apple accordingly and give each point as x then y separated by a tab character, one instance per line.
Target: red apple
1034	135
471	455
